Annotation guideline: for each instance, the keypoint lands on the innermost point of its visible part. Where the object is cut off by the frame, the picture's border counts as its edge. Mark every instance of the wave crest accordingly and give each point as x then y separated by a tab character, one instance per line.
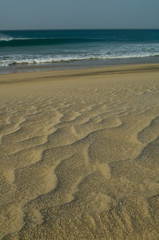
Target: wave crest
6	38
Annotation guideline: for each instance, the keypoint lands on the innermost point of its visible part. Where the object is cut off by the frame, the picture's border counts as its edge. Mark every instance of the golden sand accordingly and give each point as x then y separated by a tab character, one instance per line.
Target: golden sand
79	154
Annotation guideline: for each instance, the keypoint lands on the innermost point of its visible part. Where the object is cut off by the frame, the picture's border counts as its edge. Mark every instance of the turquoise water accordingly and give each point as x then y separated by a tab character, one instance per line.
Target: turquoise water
76	47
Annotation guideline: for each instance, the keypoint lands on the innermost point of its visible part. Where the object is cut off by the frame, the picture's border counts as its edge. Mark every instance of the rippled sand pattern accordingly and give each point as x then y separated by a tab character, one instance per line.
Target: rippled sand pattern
79	158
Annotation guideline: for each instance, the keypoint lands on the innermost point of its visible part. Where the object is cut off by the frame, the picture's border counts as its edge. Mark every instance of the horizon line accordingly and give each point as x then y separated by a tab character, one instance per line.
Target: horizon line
73	29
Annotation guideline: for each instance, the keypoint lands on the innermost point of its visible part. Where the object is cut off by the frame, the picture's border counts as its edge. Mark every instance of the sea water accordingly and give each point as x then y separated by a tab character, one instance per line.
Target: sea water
33	49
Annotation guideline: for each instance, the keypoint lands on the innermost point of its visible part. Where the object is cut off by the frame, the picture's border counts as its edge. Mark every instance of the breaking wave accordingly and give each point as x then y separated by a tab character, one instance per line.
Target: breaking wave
66	59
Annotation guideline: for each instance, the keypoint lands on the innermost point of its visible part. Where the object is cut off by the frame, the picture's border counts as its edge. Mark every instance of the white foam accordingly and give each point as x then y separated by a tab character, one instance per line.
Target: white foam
4	37
38	59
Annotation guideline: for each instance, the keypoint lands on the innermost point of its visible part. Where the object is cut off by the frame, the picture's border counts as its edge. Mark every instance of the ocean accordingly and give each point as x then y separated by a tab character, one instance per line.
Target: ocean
39	49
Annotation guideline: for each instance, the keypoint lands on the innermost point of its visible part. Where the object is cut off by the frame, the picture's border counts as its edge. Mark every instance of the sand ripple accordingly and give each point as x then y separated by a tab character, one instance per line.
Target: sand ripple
80	160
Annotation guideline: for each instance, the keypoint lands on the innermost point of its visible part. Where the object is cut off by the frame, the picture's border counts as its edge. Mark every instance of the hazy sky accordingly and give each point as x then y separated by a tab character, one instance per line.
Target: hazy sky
73	14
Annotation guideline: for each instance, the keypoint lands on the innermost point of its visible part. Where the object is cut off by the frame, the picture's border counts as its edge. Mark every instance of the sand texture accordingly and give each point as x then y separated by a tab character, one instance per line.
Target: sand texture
79	154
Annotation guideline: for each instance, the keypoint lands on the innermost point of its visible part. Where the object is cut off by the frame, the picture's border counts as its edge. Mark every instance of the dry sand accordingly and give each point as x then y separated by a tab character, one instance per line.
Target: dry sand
79	154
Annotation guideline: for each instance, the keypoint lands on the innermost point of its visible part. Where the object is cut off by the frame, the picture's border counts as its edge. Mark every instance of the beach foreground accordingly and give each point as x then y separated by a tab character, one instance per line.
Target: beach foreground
79	154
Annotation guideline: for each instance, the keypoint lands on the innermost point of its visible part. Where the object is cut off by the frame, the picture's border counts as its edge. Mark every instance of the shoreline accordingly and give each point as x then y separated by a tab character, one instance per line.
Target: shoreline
76	73
78	65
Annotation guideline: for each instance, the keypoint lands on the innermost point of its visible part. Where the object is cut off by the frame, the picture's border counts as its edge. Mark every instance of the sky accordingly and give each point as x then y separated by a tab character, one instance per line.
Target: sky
81	14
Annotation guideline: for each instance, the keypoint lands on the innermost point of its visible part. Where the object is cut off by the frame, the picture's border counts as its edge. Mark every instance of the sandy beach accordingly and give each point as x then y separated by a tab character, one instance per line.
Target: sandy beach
79	154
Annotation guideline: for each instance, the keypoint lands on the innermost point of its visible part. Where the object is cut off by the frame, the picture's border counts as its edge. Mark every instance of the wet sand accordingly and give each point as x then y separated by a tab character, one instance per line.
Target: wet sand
79	154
